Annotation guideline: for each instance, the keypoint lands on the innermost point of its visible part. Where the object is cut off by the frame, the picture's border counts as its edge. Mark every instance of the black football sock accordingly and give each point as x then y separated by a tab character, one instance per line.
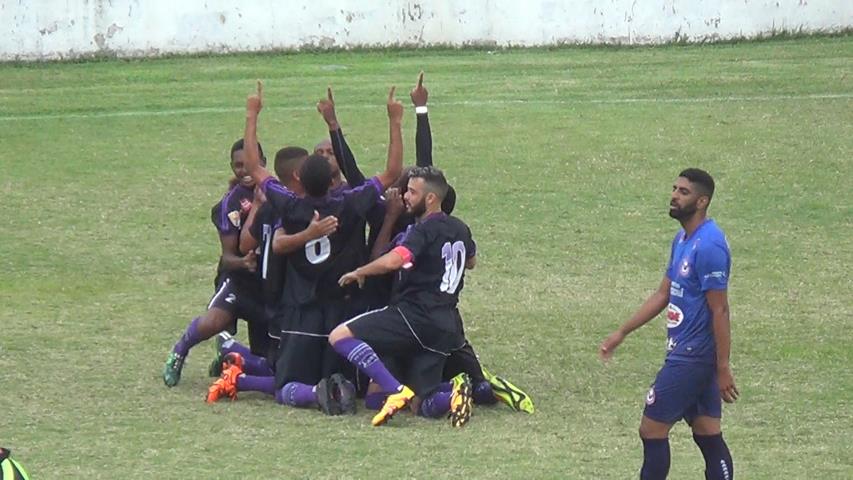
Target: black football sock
655	459
718	459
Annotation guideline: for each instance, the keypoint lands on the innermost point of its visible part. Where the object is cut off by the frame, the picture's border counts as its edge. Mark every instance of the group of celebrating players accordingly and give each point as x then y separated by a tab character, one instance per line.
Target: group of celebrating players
349	285
370	270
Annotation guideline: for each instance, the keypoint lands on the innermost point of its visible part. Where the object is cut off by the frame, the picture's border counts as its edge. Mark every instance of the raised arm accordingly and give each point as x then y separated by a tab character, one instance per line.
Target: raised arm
647	311
394	166
252	161
423	134
248	242
393	209
343	154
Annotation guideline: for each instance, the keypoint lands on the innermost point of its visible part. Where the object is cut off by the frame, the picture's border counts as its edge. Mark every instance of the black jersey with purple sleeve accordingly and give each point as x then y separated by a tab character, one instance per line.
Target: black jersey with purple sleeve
270	265
229	216
435	251
313	271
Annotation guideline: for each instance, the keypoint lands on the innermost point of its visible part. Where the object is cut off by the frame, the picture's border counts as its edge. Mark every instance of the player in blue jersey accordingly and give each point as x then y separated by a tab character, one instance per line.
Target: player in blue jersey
696	373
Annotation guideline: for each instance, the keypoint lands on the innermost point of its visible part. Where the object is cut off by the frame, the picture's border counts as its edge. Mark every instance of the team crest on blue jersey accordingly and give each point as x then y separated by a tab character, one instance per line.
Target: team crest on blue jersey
674	316
685	268
650	397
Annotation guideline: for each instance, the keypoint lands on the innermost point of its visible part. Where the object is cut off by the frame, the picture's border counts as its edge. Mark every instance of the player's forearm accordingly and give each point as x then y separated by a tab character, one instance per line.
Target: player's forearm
647	311
345	158
231	262
722	335
423	141
284	243
247	241
390	262
252	159
394	165
383	238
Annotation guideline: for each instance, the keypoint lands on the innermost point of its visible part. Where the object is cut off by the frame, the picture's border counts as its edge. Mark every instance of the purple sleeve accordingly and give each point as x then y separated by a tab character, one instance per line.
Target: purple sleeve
365	196
221	216
281	199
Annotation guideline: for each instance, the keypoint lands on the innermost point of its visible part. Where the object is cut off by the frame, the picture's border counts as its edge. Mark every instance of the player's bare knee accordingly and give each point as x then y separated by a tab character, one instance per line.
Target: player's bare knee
339	333
706	426
652	429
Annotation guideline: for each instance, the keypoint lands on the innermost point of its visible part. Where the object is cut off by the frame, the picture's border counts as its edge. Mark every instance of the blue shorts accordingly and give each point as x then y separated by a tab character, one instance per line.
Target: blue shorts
684	390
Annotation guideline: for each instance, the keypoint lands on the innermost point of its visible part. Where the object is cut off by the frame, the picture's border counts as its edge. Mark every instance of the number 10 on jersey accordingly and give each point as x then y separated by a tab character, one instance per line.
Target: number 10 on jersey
454	266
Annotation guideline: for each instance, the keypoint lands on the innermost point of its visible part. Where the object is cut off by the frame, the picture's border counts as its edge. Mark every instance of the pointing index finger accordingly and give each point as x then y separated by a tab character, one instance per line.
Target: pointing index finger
260	89
421	79
391	93
329	94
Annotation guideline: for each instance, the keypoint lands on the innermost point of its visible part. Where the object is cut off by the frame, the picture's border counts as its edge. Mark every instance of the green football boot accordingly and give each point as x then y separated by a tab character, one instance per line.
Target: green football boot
172	370
508	393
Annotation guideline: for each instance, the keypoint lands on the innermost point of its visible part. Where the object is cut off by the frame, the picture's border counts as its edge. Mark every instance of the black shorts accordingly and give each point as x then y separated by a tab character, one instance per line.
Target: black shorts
463	360
304	353
403	329
244	302
395	332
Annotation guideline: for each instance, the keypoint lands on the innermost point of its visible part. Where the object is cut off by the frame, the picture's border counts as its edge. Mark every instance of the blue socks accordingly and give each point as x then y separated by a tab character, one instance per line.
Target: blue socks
718	459
655	459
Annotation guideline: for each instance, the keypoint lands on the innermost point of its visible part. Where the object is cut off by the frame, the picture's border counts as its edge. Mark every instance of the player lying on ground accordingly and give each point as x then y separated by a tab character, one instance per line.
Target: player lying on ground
696	372
237	283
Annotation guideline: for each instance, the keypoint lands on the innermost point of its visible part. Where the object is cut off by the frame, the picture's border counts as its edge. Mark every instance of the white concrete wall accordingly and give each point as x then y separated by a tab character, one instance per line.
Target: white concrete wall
50	29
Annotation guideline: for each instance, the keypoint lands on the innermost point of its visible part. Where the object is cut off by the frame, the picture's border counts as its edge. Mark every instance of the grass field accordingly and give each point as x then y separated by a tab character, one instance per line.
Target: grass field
563	160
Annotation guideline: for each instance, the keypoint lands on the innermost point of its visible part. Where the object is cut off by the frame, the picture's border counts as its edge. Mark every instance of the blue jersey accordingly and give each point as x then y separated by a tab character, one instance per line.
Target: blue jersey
697	264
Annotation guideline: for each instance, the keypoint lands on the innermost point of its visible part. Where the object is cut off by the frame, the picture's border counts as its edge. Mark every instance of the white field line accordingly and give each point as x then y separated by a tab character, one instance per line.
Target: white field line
471	103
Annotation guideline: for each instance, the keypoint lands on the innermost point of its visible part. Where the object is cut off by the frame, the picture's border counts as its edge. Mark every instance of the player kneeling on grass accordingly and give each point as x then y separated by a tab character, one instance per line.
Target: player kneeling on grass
238	293
307	370
420	325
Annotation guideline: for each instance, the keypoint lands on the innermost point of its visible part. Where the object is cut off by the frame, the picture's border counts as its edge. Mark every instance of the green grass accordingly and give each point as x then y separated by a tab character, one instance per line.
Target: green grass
563	160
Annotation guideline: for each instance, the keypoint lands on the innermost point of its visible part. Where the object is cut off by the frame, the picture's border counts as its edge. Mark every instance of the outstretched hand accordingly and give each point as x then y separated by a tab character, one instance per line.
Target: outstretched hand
351	277
395	108
420	94
326	107
254	102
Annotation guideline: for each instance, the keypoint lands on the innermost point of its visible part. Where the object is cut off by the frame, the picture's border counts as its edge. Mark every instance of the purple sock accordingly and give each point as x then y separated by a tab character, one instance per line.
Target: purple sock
232	345
297	394
252	364
483	394
444	387
189	339
375	400
253	383
362	356
436	405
